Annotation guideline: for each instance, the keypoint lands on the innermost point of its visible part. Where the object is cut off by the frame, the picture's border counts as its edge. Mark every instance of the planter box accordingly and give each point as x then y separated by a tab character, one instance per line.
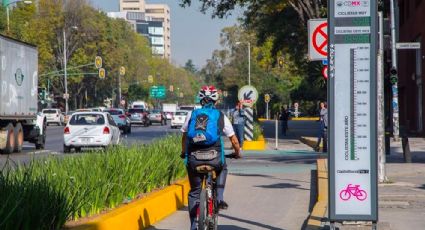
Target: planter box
260	144
139	214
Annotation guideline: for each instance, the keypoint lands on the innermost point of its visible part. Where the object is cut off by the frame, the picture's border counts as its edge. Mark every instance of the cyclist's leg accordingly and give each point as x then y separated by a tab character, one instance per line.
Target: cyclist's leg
195	180
221	182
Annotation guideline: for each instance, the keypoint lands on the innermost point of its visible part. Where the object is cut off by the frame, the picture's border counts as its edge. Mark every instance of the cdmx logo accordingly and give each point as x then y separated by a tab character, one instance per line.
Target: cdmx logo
352	3
19	77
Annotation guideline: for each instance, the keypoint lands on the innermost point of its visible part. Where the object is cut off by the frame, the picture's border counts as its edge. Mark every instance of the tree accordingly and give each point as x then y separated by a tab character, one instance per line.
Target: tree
190	67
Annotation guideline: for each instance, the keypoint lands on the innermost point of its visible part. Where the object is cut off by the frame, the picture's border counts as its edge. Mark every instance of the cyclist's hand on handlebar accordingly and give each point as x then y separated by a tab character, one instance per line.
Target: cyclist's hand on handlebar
182	155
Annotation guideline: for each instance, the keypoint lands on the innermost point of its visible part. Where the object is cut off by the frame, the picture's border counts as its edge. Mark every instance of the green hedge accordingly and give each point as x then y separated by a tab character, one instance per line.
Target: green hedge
48	192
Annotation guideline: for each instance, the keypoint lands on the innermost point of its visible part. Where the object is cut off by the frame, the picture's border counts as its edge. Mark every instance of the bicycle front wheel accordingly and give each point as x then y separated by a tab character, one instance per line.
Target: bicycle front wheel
203	212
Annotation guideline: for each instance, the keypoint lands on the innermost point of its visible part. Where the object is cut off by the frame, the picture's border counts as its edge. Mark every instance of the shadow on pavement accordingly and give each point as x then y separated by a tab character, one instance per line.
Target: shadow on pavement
252	175
282	185
265	226
231	227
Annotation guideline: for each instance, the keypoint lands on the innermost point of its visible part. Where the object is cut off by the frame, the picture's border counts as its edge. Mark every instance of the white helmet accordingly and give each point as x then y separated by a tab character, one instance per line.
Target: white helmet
208	93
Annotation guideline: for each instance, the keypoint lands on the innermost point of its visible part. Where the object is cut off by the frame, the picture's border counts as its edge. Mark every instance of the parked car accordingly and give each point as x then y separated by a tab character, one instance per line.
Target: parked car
138	117
53	116
67	116
157	116
90	129
178	119
120	119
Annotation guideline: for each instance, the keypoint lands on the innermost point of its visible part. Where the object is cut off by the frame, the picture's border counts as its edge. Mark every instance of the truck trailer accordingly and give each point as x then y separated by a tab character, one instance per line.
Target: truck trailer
20	119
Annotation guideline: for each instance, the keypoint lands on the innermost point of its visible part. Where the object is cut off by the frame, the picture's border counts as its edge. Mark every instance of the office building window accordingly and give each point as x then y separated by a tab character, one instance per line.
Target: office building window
131	0
155	11
156	31
157	41
158	50
131	8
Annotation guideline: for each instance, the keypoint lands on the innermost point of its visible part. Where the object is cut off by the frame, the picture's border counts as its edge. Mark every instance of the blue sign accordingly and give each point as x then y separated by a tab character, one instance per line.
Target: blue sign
325	62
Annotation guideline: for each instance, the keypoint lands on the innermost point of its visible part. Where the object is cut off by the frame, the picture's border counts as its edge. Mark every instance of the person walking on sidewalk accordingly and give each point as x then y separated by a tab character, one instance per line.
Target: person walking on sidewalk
284	117
323	128
238	121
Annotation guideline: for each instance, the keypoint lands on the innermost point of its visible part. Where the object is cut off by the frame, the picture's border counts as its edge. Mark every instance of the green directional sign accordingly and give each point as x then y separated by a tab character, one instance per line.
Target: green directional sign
157	91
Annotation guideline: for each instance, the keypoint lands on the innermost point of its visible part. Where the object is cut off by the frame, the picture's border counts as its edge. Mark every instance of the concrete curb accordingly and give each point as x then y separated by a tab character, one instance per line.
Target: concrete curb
304	118
141	213
320	208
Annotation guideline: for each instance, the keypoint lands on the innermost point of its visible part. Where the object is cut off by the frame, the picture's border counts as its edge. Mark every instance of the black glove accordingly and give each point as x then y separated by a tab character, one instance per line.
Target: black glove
182	155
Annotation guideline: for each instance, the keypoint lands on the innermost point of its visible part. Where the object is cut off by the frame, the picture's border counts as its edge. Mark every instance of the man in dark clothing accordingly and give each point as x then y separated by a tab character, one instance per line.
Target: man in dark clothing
284	117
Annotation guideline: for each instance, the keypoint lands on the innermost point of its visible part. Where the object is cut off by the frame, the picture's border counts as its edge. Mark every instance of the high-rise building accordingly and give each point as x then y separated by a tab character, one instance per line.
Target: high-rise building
159	15
149	20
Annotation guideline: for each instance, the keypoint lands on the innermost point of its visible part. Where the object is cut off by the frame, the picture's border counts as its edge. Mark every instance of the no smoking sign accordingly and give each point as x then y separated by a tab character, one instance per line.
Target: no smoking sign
317	39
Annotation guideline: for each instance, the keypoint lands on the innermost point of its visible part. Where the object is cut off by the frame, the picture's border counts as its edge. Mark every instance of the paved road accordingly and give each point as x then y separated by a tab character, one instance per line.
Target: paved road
54	141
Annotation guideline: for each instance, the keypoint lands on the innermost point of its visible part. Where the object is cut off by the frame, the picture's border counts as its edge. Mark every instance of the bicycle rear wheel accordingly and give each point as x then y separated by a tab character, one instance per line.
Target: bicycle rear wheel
203	212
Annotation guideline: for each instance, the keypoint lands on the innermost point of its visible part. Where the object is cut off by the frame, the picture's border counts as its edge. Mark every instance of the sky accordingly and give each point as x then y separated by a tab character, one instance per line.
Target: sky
194	35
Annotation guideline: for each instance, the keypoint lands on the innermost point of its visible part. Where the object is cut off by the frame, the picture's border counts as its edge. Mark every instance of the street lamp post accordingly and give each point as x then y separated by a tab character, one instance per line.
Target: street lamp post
65	74
7	10
249	61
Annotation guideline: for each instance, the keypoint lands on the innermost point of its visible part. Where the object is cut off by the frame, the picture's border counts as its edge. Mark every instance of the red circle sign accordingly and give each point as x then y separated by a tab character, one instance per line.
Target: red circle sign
325	72
321	34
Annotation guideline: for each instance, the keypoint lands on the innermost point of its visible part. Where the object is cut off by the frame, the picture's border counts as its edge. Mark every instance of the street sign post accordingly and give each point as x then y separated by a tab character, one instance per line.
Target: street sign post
317	39
248	95
157	92
352	108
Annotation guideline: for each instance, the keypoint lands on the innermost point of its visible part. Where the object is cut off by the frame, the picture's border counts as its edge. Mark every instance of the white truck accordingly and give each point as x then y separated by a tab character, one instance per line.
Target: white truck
169	110
19	117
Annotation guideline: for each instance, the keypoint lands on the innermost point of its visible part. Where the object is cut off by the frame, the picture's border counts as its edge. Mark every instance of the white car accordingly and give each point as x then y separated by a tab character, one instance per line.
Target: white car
178	119
54	116
90	130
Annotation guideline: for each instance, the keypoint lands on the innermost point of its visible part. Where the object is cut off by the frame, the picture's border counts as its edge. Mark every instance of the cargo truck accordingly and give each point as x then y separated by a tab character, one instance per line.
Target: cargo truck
19	117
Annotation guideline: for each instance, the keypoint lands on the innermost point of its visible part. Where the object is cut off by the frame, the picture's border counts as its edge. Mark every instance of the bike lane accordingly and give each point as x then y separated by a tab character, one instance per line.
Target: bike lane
267	190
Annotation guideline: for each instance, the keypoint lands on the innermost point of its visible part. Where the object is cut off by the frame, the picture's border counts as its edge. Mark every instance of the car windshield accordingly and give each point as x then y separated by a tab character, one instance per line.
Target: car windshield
181	113
87	119
114	112
139	106
50	111
136	111
190	108
156	111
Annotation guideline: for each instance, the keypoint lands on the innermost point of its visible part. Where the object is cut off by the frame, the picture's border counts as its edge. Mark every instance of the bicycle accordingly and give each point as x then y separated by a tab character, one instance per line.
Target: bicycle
355	190
207	213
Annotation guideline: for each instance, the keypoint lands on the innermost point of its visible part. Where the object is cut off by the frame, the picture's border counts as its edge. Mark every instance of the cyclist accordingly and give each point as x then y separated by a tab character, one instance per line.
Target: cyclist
198	136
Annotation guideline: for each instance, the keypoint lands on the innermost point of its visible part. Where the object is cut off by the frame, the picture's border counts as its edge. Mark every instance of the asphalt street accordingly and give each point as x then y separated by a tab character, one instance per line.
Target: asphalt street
54	142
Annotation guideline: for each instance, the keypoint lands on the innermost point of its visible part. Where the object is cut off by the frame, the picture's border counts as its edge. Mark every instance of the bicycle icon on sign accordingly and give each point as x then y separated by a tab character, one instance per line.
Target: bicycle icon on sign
354	190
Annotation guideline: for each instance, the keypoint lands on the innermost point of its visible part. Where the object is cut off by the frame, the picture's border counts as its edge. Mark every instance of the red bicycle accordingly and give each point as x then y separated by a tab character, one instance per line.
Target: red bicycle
354	190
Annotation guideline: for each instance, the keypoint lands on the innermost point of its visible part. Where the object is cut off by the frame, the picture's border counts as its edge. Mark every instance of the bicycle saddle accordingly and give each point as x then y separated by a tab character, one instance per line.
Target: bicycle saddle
205	168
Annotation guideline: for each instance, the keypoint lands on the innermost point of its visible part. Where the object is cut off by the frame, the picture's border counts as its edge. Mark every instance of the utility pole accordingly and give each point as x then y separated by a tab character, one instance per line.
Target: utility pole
380	96
249	63
396	120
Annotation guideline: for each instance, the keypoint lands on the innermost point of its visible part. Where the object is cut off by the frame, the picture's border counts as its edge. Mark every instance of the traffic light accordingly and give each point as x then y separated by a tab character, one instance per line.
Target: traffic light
280	62
393	75
42	93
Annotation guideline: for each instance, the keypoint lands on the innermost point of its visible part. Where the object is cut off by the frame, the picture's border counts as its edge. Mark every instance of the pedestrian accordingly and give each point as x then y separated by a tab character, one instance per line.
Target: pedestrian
284	117
238	122
323	128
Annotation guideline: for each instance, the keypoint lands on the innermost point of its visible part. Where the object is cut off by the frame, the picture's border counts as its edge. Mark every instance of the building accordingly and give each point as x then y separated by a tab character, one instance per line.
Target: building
411	66
159	15
149	20
132	5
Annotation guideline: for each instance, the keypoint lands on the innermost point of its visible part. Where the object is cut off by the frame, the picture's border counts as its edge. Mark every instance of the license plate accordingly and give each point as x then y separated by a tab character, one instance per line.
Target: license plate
85	139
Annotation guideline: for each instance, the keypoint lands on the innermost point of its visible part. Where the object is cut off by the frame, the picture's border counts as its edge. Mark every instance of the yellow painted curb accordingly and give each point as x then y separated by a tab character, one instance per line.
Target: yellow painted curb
142	213
320	208
305	118
254	145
